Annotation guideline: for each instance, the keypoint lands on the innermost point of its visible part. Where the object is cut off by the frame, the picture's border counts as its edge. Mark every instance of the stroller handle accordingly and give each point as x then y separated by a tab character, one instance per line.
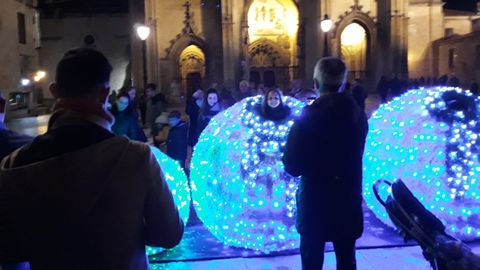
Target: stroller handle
375	190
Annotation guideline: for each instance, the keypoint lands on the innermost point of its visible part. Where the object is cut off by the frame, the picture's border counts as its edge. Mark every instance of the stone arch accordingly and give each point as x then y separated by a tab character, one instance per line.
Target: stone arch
172	69
356	15
265	53
192	59
270	29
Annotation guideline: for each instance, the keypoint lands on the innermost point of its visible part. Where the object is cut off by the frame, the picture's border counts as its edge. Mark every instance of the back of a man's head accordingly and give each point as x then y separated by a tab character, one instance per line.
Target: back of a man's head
81	72
330	74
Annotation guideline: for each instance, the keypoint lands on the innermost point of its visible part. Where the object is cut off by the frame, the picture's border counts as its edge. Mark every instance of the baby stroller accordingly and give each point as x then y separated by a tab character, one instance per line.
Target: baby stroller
416	223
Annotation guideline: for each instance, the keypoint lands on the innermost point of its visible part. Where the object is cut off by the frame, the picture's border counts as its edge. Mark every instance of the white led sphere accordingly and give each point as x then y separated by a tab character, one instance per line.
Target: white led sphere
240	189
178	183
429	139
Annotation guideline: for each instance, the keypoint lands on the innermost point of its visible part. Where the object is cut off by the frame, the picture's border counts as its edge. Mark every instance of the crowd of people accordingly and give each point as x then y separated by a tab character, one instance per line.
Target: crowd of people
395	87
89	194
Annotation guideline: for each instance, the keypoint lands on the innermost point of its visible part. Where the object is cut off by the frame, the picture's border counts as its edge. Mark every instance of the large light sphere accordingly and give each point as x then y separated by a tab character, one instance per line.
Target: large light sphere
178	183
429	138
240	189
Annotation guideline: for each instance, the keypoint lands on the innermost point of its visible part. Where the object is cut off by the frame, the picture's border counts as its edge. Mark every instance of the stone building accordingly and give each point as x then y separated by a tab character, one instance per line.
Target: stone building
208	42
87	23
19	35
458	53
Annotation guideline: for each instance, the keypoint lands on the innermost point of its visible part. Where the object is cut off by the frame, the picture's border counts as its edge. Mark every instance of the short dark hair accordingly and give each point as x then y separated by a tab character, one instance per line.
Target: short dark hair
175	114
331	73
80	71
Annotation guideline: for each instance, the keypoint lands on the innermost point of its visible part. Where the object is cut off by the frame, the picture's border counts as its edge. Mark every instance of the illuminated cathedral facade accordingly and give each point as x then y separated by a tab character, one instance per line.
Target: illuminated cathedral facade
220	42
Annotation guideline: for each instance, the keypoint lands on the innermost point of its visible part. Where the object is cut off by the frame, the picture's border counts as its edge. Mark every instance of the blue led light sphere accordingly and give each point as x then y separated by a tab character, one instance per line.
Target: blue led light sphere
429	138
240	189
178	183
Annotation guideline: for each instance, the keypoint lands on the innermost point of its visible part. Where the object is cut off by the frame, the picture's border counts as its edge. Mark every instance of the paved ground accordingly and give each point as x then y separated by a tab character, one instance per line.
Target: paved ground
408	258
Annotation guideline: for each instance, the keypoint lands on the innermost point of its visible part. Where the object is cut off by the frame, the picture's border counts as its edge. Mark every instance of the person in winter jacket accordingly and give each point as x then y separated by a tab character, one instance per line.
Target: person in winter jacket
210	108
325	147
126	120
79	197
177	138
194	104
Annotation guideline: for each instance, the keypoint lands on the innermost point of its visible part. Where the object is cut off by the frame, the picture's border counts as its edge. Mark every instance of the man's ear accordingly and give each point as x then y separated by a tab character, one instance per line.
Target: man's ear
316	85
54	90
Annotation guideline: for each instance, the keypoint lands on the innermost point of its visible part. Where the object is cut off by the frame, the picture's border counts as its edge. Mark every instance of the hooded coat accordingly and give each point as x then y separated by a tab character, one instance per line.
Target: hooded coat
95	207
325	146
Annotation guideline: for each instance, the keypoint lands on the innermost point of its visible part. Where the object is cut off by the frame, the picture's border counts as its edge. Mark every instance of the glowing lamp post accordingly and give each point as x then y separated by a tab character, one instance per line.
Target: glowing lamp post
25	82
326	25
39	75
143	32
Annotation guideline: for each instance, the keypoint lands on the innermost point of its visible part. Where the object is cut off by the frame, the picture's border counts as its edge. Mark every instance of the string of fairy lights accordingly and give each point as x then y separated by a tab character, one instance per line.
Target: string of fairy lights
429	138
178	184
240	189
459	112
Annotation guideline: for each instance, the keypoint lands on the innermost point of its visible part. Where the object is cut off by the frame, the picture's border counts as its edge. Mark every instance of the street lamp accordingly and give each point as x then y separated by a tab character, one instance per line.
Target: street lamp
25	82
39	75
326	25
143	32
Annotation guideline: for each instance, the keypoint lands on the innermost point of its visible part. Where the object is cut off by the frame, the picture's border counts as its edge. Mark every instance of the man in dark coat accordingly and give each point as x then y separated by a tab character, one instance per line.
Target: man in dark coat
325	146
79	191
177	138
9	140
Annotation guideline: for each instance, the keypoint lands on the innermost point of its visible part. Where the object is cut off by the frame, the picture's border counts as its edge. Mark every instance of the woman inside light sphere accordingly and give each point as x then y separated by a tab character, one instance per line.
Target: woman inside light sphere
272	106
241	191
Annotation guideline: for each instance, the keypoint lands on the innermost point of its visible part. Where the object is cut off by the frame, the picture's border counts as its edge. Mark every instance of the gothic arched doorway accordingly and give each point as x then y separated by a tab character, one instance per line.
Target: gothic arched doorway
353	49
192	69
272	41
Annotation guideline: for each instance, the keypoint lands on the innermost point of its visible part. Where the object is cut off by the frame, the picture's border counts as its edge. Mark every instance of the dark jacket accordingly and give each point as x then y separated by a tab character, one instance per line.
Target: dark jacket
126	123
325	146
192	110
9	141
177	142
80	192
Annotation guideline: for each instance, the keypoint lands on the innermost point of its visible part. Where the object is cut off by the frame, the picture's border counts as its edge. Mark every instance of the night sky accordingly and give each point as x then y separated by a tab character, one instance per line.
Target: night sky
105	5
465	5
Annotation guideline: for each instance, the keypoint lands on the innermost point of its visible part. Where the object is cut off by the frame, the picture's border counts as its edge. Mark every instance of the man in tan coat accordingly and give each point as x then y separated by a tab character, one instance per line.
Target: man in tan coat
79	197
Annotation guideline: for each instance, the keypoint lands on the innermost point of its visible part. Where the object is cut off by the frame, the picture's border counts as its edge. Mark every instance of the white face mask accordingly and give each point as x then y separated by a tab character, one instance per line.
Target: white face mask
273	100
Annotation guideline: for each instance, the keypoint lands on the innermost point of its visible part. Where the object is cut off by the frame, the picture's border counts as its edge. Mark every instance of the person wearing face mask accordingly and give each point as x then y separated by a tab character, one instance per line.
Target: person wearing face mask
177	138
273	107
211	108
126	120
